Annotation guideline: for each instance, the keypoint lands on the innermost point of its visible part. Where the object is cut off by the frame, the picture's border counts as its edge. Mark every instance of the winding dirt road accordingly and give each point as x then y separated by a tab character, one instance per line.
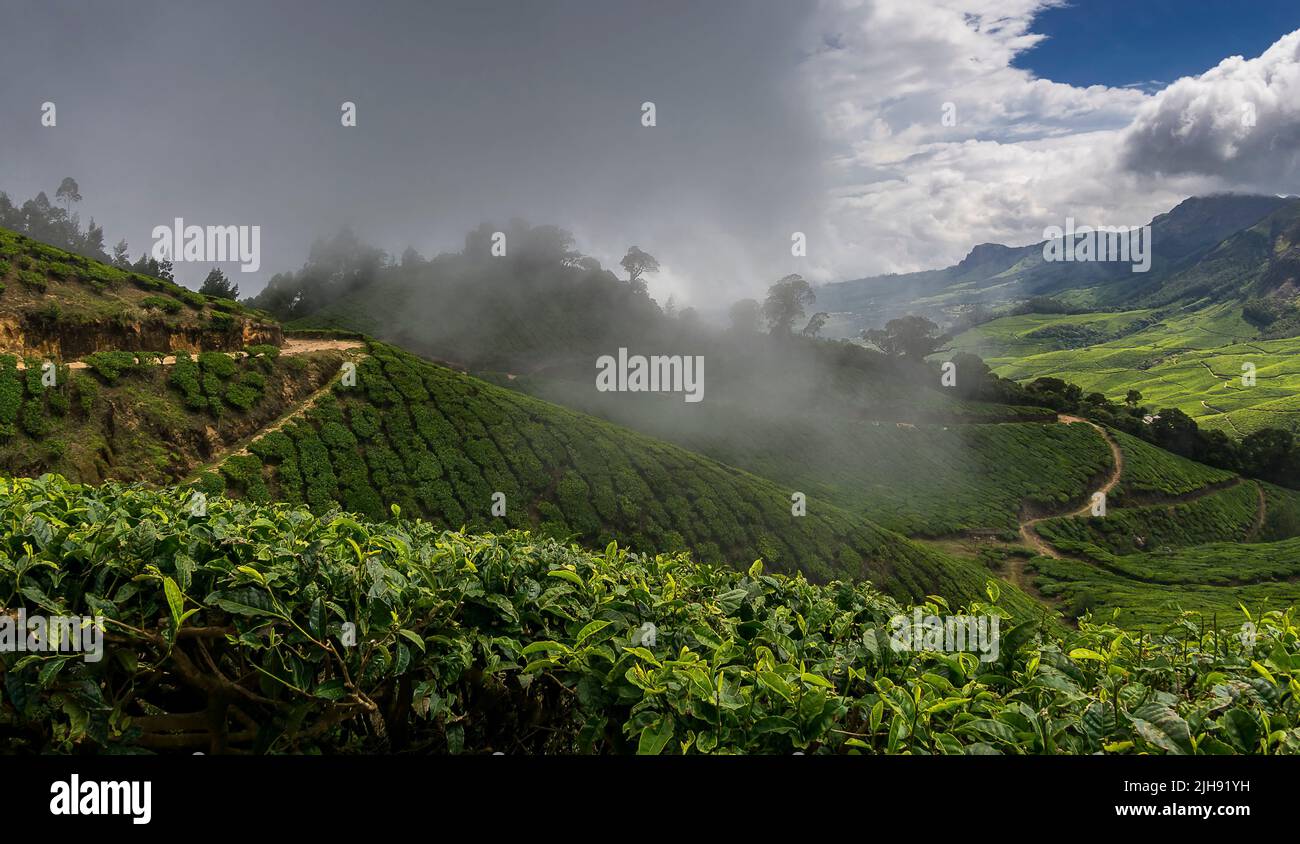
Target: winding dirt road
1027	532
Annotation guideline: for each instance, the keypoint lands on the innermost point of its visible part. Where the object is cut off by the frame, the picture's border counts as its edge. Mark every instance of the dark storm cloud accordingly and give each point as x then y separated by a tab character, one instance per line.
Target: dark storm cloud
228	113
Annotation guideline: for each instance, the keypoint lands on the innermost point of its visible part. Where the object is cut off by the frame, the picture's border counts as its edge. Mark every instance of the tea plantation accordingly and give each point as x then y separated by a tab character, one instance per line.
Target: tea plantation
1150	590
432	442
924	479
267	629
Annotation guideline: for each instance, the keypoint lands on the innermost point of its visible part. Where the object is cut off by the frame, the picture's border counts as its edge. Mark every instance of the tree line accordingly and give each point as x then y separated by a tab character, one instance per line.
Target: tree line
57	224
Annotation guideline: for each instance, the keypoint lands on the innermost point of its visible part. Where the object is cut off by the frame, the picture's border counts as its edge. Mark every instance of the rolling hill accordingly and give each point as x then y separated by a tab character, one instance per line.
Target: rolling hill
905	484
1215	247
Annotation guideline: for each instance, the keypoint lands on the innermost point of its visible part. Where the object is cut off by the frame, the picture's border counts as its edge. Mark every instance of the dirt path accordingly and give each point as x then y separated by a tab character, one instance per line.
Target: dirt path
1027	532
1226	418
240	448
292	346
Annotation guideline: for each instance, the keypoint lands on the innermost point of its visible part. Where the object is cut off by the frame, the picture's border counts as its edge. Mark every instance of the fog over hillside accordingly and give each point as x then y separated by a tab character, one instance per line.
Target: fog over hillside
894	142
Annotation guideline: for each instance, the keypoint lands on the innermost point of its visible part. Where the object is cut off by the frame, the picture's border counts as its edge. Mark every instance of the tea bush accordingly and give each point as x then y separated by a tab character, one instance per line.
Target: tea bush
269	629
439	444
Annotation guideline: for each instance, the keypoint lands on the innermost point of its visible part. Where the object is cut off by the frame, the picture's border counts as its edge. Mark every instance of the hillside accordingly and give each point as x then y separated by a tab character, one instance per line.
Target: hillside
1190	360
1219	303
504	643
923	478
57	304
905	484
1207	249
439	444
428	440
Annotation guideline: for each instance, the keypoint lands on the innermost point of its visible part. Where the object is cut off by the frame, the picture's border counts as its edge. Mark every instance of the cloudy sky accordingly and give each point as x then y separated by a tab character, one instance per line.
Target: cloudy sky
894	133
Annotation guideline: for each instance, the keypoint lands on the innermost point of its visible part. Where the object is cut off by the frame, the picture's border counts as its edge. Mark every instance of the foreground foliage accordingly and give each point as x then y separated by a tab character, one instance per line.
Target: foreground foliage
227	631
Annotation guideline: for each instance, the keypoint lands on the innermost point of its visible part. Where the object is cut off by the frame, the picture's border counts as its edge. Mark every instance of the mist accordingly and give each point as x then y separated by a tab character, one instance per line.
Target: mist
465	111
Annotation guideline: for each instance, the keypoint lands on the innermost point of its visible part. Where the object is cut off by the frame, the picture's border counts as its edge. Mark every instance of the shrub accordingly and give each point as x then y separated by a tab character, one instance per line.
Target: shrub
253	380
184	376
60	270
221	322
111	365
11	391
218	364
32	419
86	390
58	401
263	350
241	397
33	280
161	303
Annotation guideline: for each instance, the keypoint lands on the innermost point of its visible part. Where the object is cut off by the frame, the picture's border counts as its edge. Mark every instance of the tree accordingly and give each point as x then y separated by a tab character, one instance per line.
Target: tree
814	326
216	284
92	243
121	259
746	316
1266	453
636	263
785	303
1132	398
974	378
1174	431
68	193
910	336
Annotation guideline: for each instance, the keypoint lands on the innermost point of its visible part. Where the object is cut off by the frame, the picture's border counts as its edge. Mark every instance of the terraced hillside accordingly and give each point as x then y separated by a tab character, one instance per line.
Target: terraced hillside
921	479
1190	360
1169	523
1153	590
441	445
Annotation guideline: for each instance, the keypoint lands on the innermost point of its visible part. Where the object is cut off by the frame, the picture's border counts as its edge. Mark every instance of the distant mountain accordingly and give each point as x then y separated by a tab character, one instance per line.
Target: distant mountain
1216	247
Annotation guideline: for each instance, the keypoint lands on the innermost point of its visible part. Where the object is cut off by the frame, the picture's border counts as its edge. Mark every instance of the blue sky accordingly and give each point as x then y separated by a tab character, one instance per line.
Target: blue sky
1124	42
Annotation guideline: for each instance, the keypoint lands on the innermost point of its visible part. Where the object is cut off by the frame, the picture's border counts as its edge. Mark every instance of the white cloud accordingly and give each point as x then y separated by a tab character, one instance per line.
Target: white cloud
909	192
1239	121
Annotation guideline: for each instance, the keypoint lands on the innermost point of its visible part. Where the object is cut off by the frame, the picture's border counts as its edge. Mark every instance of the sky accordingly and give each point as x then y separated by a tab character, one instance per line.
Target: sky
893	134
